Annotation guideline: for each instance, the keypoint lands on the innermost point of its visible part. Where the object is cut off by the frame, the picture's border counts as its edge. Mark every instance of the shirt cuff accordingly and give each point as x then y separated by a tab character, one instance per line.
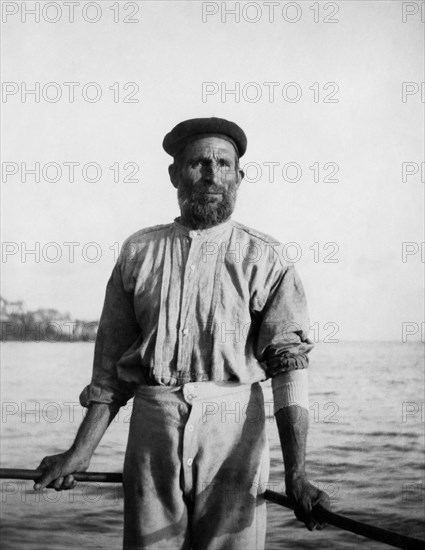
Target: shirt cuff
290	389
93	393
286	362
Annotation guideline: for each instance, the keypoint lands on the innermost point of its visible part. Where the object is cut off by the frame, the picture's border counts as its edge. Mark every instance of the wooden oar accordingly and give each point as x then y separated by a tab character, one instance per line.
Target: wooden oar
95	477
347	524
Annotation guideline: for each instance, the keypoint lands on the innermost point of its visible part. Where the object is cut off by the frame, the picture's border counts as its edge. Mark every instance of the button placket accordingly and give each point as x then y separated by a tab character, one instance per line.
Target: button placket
189	438
188	294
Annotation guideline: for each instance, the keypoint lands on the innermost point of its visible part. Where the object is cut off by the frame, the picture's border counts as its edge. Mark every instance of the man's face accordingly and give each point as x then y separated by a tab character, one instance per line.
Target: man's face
207	177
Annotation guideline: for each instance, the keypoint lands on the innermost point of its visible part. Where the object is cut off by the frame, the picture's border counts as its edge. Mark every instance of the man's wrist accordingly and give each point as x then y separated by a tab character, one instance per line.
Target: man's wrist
80	452
294	477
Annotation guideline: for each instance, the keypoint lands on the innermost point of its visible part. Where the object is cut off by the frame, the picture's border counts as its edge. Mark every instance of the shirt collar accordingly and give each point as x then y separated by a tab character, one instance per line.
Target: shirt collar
202	234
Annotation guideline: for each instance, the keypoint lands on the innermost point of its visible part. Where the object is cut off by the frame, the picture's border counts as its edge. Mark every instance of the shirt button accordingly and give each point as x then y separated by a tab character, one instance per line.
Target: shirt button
190	388
191	427
185	331
192	267
190	461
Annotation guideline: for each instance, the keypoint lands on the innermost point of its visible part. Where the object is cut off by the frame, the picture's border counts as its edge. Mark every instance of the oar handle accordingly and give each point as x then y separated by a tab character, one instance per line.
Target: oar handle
347	524
97	477
322	514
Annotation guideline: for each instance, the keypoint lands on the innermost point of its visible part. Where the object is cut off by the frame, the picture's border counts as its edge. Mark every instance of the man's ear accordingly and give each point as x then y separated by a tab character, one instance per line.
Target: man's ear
172	170
241	175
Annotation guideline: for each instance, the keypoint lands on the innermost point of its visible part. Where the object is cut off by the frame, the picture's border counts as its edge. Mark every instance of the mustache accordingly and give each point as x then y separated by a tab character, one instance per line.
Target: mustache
197	193
208	189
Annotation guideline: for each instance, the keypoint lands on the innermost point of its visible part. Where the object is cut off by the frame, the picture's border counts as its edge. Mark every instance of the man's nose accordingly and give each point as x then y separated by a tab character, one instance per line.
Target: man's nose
212	172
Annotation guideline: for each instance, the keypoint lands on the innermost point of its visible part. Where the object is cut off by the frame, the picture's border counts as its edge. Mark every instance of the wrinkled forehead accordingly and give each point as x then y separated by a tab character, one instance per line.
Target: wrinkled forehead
210	146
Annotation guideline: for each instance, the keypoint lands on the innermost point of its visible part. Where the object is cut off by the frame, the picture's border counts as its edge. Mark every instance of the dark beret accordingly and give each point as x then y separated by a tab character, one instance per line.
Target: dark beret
189	130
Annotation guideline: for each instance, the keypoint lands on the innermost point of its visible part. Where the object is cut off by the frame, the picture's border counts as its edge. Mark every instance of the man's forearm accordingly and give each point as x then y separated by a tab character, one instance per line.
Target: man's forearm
94	425
290	395
292	423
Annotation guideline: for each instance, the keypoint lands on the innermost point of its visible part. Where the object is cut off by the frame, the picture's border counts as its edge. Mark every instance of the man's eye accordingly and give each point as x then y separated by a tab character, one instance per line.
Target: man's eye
224	162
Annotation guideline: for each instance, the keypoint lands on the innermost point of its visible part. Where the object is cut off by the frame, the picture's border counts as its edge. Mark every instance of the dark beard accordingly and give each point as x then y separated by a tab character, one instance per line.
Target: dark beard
200	212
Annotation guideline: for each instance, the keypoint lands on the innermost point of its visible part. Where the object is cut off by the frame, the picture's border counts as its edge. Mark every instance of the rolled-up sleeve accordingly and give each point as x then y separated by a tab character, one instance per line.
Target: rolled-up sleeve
283	342
118	330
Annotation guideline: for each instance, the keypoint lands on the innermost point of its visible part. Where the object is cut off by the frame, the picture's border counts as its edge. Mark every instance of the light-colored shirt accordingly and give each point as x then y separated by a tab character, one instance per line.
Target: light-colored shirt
188	305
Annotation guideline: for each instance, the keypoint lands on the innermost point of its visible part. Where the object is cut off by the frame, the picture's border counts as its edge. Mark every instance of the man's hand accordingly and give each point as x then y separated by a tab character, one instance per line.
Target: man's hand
58	470
305	497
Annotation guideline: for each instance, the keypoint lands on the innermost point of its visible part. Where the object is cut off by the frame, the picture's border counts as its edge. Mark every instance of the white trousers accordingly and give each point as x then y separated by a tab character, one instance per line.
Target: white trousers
196	467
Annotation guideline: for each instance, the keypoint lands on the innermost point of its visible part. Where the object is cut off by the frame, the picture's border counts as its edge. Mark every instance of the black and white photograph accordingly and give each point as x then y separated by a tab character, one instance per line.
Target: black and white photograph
212	275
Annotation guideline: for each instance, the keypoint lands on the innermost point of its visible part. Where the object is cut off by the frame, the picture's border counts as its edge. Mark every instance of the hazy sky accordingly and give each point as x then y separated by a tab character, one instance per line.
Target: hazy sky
365	132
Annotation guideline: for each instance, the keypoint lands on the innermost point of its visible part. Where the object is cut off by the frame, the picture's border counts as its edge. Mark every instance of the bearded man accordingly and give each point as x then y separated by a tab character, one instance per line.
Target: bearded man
197	313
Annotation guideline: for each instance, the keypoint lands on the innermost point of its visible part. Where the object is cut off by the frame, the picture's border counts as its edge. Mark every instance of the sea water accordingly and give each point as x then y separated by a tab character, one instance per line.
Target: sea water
365	447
